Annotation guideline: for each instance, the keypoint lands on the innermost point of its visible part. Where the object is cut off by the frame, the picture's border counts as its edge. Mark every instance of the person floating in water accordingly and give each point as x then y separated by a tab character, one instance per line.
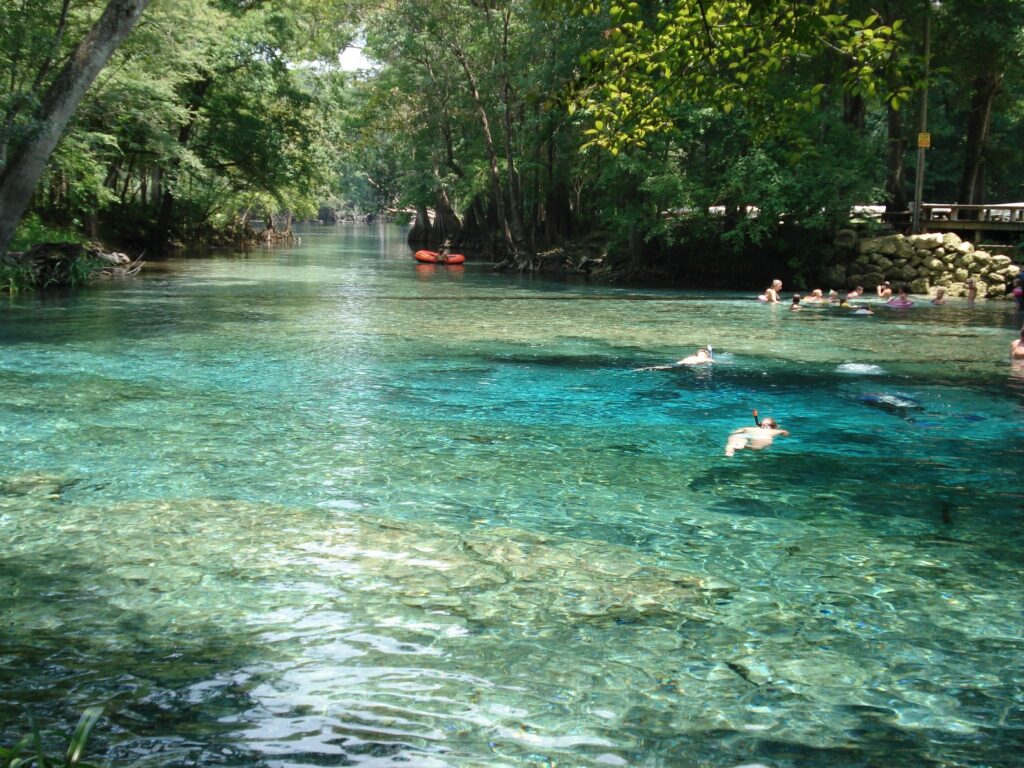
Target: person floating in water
796	302
1017	347
856	293
900	300
757	437
884	290
940	297
702	356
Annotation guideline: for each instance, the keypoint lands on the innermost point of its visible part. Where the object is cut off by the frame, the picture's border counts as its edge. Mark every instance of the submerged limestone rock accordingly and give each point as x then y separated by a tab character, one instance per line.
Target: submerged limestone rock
481	575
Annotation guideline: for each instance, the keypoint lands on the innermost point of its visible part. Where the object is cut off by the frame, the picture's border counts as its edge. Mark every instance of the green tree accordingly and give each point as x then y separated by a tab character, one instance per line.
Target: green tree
25	162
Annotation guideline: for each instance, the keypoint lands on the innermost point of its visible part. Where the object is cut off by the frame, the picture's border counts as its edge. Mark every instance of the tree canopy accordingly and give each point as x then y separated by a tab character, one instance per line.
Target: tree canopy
684	134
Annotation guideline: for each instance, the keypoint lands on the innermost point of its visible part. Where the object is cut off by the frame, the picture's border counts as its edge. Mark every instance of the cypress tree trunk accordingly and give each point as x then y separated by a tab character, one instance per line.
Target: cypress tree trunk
24	167
895	188
986	88
419	235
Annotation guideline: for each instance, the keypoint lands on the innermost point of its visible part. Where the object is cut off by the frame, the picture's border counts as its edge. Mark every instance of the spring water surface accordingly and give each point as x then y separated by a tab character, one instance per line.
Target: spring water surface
322	506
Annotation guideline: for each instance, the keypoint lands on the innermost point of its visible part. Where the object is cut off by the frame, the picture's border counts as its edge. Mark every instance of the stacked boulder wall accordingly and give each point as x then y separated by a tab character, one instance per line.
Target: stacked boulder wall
923	263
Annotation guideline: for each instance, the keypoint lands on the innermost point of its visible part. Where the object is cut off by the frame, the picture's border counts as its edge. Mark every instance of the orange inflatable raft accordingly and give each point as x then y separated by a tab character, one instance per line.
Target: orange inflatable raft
433	257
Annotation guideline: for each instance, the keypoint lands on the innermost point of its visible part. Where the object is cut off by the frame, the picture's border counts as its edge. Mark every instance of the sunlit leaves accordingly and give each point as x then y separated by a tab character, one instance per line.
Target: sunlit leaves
729	55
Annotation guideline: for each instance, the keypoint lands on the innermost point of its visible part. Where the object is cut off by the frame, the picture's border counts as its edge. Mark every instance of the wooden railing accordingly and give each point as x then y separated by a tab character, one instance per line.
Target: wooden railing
950	216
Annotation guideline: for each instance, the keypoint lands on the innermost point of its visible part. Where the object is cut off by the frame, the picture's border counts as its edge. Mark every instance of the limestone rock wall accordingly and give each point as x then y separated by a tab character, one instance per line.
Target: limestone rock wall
923	263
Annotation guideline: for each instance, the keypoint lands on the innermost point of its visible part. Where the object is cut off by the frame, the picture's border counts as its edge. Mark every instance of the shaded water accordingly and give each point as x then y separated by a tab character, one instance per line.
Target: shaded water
322	506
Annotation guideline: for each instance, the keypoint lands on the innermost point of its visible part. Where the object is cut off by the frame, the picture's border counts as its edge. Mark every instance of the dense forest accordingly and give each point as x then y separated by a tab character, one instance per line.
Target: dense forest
698	140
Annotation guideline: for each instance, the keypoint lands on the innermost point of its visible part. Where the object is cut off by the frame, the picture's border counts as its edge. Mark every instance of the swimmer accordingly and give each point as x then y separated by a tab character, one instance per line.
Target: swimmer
1018	293
814	297
884	290
833	296
700	357
940	297
756	437
856	293
1017	347
771	294
972	290
796	302
900	300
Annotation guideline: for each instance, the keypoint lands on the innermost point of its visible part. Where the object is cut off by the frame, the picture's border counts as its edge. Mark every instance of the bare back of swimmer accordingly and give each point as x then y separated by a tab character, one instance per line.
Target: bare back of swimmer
757	437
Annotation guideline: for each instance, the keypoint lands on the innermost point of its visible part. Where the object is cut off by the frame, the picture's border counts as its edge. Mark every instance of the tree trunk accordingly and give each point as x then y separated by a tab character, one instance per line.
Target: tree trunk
492	153
986	88
27	163
524	252
854	111
446	224
895	188
419	235
165	219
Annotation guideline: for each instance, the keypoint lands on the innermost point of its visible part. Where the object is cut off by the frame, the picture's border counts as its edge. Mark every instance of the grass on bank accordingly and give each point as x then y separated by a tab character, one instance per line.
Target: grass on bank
17	276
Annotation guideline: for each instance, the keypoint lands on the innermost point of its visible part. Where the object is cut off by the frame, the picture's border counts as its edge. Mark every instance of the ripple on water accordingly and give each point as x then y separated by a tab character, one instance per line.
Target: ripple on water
325	510
309	632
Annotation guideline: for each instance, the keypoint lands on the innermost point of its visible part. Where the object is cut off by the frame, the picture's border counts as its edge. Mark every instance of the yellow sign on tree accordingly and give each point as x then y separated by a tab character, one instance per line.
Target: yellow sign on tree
924	140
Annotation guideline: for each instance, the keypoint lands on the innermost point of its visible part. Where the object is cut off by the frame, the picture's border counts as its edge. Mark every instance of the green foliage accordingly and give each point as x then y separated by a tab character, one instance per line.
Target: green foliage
33	230
762	57
227	107
29	750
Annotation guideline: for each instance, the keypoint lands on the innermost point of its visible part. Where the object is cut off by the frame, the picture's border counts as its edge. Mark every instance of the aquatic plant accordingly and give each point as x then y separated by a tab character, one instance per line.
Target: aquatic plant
28	751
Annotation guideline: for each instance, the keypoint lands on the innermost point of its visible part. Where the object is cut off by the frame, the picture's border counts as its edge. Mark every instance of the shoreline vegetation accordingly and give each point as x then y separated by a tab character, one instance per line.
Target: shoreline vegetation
546	137
63	265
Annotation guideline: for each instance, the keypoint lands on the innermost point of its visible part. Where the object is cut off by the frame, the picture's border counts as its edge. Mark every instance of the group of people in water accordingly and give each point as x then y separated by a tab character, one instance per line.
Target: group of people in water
885	292
766	429
893	298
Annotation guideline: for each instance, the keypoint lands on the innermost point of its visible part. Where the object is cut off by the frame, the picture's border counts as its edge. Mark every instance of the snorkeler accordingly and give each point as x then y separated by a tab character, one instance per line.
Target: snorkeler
757	437
702	356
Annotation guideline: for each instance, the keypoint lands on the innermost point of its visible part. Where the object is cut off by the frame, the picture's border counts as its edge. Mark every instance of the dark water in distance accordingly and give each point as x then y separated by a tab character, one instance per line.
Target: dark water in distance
320	506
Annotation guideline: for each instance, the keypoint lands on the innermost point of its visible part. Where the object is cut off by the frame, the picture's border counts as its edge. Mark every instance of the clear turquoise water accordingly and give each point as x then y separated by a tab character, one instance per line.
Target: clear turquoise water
320	506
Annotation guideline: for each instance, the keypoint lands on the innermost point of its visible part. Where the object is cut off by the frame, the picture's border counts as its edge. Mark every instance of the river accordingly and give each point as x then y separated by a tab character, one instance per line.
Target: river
323	506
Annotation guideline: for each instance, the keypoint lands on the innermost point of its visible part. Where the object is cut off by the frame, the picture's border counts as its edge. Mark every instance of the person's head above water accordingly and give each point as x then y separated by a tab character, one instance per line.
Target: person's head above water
769	423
